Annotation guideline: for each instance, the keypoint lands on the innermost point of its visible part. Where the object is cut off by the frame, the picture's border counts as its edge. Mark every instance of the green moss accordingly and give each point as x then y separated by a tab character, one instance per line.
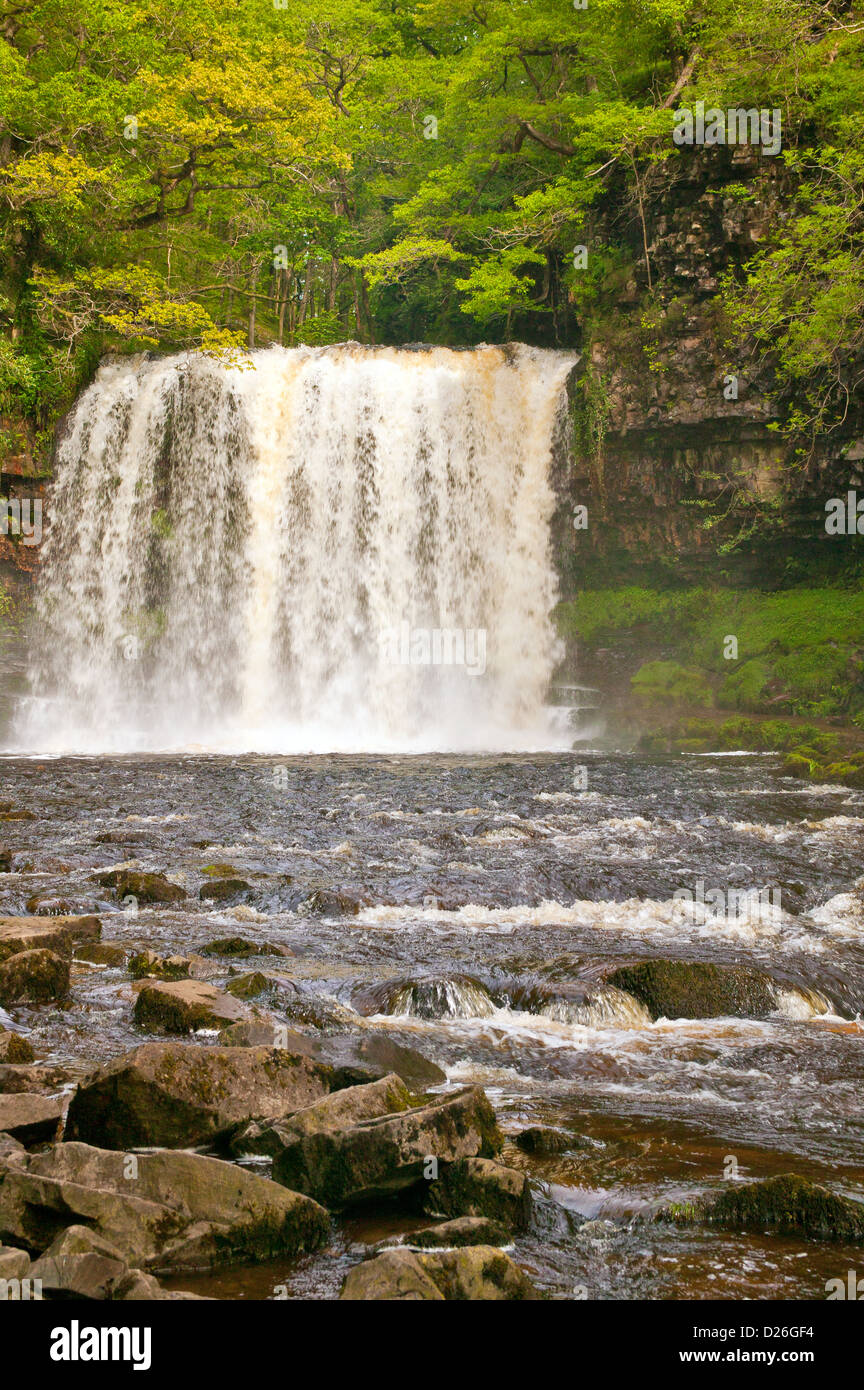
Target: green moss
659	682
789	1205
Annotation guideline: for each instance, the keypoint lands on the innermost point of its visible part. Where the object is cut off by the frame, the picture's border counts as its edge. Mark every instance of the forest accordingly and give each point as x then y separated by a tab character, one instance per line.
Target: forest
225	174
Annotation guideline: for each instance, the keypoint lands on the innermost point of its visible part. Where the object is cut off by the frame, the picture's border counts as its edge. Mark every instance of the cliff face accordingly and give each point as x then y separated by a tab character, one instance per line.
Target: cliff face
675	448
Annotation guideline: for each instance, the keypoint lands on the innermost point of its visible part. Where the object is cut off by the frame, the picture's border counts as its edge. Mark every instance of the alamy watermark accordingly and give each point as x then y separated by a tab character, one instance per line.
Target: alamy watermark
435	646
22	516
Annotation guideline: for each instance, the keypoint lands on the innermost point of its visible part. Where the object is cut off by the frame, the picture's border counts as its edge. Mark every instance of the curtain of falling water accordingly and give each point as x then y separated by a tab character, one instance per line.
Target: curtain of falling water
249	559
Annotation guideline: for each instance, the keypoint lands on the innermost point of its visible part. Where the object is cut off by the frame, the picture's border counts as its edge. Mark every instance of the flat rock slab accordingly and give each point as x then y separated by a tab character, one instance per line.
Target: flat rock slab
184	1006
30	1119
176	1095
159	1210
381	1156
53	933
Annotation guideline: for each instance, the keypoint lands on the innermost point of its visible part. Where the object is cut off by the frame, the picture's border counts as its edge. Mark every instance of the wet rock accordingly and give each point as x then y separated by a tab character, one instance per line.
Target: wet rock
696	989
248	986
379	1157
171	1095
30	1119
101	953
160	1210
477	1186
5	859
224	890
241	946
149	964
151	888
48	905
464	1230
34	977
362	1057
480	1273
355	1059
183	1006
449	996
326	903
788	1205
541	1140
56	934
310	1009
14	1048
339	1110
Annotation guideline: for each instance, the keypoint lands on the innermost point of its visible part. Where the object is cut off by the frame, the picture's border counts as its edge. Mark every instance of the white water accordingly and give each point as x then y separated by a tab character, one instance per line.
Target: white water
228	550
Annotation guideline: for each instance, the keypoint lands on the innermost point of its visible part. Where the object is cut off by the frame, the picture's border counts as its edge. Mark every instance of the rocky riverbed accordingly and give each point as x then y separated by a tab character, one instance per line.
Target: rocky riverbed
555	1026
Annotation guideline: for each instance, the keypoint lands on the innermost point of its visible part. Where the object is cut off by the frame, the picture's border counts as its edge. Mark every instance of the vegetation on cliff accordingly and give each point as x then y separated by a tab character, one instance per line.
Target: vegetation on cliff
227	173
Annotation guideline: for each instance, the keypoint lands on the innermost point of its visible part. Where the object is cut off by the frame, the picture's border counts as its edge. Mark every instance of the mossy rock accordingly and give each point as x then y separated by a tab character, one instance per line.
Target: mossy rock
220	871
145	887
696	989
788	1205
149	964
248	986
222	890
15	1050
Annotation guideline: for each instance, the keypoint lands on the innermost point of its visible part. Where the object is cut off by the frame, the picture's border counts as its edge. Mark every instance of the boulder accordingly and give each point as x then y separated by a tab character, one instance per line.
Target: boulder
183	1006
10	1150
464	1230
162	1209
150	965
54	934
325	903
48	905
14	1048
476	1186
248	986
696	989
101	953
5	859
30	1119
14	1264
480	1273
339	1110
79	1263
355	1058
394	1275
154	889
222	890
541	1140
174	1095
34	977
788	1206
17	1078
361	1057
379	1157
241	946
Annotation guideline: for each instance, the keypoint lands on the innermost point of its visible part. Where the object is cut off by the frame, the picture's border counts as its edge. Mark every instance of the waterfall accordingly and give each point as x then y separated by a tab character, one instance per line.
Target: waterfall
320	550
